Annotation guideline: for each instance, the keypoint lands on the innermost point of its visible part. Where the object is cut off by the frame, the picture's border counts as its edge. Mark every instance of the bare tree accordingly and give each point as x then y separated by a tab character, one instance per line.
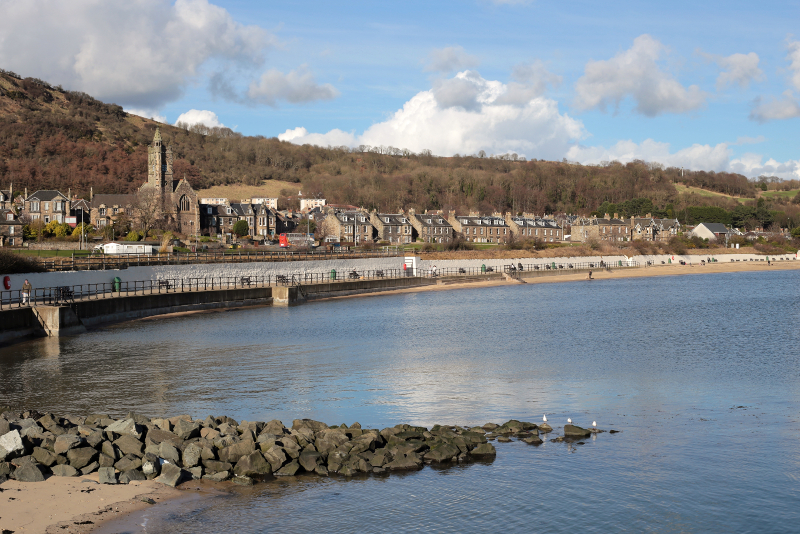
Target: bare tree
148	208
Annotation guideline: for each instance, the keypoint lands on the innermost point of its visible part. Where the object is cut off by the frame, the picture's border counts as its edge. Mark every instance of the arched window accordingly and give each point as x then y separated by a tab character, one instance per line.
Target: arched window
184	204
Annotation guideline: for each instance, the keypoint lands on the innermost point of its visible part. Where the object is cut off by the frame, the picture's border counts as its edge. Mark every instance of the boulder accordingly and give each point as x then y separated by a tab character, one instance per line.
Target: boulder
5	427
11	445
309	460
573	431
218	476
441	453
214	466
44	457
6	468
23	460
91	468
96	418
533	440
129	445
232	453
544	427
29	473
274	427
128	462
168	452
252	464
171	475
81	456
126	426
313	426
404	462
105	460
191	455
187	429
64	471
243	481
209	433
276	457
108	449
107	475
95	439
150	465
289	469
131	476
484	449
157	436
196	472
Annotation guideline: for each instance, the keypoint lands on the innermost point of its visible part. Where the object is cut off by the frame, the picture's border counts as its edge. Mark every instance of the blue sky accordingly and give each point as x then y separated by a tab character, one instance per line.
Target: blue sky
701	85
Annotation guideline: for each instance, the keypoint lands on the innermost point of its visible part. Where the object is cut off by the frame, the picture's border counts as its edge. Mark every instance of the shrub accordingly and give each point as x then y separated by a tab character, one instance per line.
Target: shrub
241	228
428	247
459	244
87	228
133	235
12	263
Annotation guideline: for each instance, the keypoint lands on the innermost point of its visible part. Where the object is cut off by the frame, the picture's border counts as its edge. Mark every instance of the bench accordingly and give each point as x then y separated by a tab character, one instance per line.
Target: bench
165	284
282	279
245	280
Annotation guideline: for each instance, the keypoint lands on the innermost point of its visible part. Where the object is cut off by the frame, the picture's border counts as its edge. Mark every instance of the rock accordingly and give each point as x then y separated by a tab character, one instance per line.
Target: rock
91	468
243	481
484	449
490	426
29	473
218	476
64	471
128	462
129	445
5	427
131	475
442	453
404	462
171	475
314	426
191	455
126	426
310	460
544	427
321	470
95	438
215	466
573	431
504	439
157	436
23	460
11	445
108	449
168	452
151	465
96	418
81	457
44	457
6	468
274	427
209	433
187	429
533	440
252	464
105	460
289	469
139	419
612	431
234	452
196	472
107	475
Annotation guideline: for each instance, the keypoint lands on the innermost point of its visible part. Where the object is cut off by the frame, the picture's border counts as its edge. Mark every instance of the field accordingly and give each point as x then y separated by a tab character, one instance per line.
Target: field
235	192
706	193
783	195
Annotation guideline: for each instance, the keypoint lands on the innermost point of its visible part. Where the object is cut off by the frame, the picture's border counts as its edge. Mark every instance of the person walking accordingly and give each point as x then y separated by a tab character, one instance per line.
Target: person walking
433	270
26	292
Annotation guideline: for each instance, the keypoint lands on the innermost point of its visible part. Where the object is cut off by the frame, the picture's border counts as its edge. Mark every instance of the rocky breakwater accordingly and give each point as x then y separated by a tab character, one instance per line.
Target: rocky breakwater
36	445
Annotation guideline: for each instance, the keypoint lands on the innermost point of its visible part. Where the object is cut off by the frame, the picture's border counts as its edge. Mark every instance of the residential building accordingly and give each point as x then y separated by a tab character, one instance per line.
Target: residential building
648	228
7	198
528	226
80	212
346	227
711	231
265	221
308	204
601	229
391	227
47	205
10	229
104	210
481	229
267	201
430	227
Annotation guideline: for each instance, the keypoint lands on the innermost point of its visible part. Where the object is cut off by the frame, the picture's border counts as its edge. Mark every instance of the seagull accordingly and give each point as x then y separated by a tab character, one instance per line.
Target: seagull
544	418
569	420
594	424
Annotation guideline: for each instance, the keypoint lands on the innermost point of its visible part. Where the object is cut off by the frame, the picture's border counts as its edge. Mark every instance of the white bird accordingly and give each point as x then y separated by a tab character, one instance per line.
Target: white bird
569	420
594	424
544	418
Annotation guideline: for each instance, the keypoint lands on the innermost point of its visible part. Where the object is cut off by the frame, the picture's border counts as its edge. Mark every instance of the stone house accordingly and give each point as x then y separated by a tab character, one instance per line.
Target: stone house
46	205
10	229
430	227
347	227
648	228
7	198
265	221
601	229
392	227
481	229
527	226
104	210
80	212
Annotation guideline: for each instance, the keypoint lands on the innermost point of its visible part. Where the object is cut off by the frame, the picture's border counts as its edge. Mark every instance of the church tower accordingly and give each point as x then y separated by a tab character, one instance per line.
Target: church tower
159	164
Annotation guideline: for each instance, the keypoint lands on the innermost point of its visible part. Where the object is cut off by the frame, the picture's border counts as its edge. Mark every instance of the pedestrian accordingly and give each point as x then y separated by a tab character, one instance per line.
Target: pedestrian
433	270
26	291
590	275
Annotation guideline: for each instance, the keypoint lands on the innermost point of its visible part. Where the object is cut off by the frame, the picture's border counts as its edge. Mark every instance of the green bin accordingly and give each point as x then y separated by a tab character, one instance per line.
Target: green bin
333	274
483	268
117	283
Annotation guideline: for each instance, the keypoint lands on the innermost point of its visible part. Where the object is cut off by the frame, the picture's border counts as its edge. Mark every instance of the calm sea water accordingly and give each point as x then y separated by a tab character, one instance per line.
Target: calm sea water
700	373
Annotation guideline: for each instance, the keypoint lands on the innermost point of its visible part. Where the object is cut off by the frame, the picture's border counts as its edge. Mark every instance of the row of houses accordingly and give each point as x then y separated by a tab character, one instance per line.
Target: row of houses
614	228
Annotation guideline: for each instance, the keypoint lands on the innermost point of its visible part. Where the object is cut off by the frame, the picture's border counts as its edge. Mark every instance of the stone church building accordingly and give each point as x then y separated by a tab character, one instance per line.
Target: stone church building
160	197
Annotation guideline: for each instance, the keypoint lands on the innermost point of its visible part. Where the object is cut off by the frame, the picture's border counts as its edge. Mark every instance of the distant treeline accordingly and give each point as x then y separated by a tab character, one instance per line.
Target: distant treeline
56	139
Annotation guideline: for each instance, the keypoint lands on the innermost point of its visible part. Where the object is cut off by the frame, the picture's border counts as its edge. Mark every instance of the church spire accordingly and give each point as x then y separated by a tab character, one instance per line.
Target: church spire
157	137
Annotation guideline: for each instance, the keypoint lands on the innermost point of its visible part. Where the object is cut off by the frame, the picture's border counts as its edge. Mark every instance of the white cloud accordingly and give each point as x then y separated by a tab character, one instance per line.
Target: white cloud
138	53
738	69
147	114
696	157
301	136
465	116
298	86
771	108
794	63
745	140
200	116
449	59
636	73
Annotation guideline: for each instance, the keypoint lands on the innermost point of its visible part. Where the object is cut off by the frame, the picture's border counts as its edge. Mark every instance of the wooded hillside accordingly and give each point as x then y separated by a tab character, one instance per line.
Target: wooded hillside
59	139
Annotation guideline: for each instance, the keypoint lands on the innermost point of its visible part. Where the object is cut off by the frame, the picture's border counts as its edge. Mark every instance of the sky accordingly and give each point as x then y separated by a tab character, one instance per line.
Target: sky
699	85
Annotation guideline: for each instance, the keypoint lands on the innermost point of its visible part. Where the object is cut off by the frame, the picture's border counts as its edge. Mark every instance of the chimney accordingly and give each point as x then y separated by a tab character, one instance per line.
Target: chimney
91	193
411	212
69	194
649	216
606	216
26	192
616	215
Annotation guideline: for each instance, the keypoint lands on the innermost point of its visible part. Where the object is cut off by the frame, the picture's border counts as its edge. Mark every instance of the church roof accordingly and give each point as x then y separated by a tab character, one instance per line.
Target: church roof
157	136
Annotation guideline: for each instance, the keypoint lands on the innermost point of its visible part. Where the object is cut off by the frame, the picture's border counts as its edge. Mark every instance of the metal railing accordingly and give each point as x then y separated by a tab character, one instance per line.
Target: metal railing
81	292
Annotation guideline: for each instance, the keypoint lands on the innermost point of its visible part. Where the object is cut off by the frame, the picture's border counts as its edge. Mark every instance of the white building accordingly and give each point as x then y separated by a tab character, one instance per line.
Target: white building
268	202
308	204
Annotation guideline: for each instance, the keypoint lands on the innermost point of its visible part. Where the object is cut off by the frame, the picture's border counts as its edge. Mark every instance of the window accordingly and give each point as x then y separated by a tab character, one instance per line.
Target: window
210	210
481	231
505	231
57	206
34	206
116	210
46	206
10	217
10	230
229	211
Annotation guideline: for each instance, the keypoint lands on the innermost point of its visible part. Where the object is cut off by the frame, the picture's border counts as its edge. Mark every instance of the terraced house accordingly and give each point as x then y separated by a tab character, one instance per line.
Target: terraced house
531	227
430	227
605	229
648	228
351	226
392	227
105	210
10	229
481	229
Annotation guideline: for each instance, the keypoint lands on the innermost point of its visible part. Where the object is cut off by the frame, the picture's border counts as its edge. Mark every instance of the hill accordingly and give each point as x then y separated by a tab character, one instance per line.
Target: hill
54	138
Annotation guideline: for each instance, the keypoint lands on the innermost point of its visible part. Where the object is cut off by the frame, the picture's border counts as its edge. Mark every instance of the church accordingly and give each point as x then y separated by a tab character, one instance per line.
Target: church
162	196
